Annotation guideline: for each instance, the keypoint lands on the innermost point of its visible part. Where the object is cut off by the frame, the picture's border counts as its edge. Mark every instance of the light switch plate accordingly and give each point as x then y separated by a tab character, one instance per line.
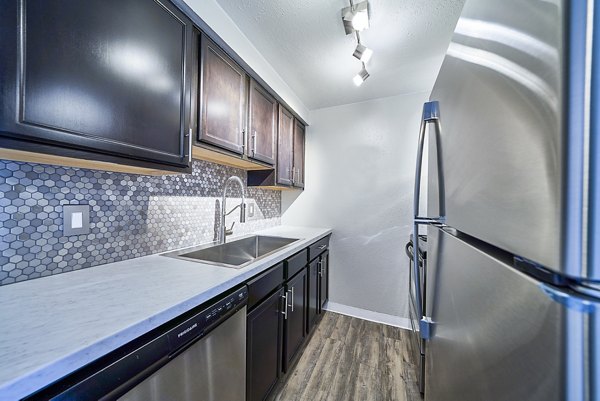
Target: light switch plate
251	210
76	219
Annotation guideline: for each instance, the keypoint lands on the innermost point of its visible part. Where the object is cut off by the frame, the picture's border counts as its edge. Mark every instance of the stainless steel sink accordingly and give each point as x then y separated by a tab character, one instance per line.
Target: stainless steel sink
235	254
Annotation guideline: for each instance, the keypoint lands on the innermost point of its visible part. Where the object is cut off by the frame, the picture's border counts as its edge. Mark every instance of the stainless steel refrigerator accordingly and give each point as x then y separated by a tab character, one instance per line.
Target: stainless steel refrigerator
513	206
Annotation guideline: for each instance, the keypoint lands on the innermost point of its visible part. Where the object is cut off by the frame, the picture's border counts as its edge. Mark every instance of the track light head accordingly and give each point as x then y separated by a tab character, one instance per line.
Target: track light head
361	76
363	53
356	17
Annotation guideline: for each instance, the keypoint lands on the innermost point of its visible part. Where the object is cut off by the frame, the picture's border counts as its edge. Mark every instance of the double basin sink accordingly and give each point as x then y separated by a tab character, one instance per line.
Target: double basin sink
235	254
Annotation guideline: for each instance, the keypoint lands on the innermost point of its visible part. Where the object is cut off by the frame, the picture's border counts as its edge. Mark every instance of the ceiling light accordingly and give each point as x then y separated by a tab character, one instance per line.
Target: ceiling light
361	76
363	53
356	17
360	21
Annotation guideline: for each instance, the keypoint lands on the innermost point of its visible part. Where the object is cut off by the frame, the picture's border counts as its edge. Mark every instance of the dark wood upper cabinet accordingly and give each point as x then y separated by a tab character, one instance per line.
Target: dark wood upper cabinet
285	146
97	80
262	124
298	167
289	170
223	86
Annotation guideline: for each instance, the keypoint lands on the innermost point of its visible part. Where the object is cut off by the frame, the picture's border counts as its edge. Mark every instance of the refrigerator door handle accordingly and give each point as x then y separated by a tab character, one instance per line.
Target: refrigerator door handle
431	115
576	303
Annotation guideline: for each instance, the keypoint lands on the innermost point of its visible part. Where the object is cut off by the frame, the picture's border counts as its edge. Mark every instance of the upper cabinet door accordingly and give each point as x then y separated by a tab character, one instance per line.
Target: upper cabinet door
105	77
262	124
298	171
223	86
285	146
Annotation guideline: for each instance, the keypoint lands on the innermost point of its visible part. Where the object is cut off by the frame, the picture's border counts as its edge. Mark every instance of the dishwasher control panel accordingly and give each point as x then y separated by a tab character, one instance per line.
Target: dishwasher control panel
202	322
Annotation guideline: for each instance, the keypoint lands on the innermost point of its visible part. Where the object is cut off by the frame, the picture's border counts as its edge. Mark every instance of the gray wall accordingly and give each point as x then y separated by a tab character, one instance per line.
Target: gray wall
359	181
130	215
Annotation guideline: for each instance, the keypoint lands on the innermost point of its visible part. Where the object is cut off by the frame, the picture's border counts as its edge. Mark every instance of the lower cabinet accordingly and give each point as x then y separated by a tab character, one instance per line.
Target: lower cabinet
263	346
282	312
294	331
318	289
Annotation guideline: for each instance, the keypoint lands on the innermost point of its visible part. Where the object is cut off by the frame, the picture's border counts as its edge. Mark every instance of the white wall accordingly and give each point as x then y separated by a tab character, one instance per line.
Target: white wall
223	25
359	181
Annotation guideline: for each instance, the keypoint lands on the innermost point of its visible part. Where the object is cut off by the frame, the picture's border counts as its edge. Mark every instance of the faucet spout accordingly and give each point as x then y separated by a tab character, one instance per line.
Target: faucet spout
223	232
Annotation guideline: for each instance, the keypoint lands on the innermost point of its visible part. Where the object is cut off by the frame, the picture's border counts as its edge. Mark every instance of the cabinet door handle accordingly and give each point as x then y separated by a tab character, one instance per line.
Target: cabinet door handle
293	175
188	137
254	143
243	141
292	291
285	306
320	264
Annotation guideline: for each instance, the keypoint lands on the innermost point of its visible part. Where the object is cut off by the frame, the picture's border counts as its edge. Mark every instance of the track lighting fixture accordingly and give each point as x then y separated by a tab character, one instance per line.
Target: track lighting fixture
361	76
363	53
356	19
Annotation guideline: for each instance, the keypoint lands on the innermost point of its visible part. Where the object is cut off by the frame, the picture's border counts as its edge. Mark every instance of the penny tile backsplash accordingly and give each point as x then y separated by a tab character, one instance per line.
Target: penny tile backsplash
130	215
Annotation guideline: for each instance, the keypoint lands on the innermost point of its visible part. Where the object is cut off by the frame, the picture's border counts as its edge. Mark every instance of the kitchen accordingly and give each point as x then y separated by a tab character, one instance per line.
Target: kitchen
216	200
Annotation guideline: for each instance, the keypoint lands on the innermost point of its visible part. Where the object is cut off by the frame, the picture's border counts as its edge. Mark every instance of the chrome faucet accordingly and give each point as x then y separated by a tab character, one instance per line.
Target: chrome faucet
224	232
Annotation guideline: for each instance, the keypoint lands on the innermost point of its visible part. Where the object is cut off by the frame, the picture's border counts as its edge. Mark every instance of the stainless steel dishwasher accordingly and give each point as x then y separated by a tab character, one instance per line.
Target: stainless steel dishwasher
212	369
201	357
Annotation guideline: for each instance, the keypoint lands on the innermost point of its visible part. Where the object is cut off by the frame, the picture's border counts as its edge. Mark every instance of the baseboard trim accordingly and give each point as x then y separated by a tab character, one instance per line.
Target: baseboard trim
377	317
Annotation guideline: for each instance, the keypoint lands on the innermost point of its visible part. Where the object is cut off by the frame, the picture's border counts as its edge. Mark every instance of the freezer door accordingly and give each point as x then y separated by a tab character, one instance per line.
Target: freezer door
499	335
510	141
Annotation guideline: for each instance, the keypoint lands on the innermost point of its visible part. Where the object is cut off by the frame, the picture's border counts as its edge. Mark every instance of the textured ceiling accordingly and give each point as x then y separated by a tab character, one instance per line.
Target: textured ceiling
304	41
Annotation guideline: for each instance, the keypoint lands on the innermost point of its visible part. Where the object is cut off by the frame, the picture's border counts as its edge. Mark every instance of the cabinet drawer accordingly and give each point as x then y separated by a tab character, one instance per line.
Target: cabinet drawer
296	263
263	285
318	247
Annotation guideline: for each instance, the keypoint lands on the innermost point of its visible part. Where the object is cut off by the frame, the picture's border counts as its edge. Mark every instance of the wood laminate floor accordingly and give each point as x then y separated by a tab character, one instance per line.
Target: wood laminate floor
350	359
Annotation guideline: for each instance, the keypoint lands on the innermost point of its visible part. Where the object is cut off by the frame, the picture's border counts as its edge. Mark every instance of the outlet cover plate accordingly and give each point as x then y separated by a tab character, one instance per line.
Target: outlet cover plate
76	219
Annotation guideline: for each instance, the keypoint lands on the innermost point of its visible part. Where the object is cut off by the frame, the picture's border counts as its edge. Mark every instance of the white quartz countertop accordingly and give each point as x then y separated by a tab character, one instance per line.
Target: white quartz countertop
51	326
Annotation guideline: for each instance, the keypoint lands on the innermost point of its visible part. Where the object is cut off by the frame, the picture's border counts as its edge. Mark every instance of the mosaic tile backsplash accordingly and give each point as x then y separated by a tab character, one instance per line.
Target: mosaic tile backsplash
130	215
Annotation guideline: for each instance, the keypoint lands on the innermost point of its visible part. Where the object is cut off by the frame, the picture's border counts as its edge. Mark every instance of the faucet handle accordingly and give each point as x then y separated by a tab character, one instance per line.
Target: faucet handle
242	212
229	231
